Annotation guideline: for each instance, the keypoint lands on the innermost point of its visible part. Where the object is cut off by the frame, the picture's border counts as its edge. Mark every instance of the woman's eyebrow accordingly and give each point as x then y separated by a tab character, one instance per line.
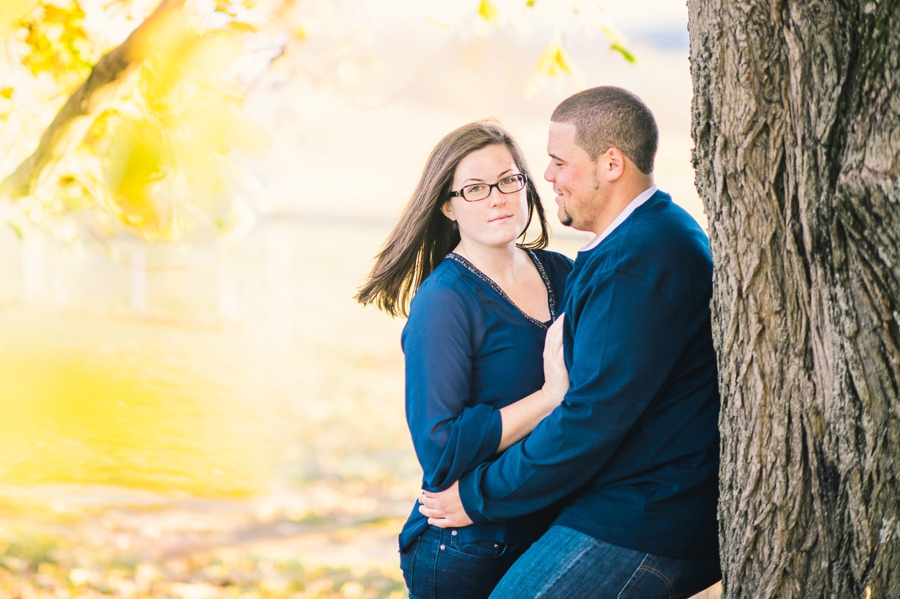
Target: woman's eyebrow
501	175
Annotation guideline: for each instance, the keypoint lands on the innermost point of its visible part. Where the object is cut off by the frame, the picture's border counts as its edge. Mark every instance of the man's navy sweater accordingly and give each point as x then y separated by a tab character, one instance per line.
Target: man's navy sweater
635	443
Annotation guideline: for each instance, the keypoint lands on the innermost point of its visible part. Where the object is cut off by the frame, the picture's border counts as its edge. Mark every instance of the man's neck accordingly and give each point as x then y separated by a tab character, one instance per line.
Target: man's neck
623	194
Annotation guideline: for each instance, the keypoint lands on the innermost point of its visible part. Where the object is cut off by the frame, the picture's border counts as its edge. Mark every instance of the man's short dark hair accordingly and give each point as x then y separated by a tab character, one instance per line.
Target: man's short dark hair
606	117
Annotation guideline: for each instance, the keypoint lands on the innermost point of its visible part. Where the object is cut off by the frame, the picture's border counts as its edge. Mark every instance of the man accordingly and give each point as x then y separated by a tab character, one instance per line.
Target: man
634	448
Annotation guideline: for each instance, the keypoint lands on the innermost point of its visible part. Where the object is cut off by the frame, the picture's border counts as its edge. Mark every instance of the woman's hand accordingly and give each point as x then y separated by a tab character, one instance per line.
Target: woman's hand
444	509
520	418
556	377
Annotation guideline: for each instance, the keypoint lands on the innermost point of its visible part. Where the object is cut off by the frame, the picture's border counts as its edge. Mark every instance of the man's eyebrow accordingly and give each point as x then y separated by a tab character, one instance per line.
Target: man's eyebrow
555	157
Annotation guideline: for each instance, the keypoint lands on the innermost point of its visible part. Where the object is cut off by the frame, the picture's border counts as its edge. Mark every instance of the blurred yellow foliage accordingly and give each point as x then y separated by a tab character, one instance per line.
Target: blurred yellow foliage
84	415
58	43
488	11
13	11
553	61
166	157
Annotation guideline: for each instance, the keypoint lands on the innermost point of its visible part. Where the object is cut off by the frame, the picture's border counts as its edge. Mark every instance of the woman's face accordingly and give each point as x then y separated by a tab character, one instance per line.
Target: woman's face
497	220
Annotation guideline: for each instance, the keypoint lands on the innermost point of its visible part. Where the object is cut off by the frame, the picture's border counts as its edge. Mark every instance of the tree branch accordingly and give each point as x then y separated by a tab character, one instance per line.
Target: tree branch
75	118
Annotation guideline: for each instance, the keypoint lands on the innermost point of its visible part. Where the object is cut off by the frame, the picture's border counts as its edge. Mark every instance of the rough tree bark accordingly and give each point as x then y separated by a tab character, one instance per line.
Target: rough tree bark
72	122
796	122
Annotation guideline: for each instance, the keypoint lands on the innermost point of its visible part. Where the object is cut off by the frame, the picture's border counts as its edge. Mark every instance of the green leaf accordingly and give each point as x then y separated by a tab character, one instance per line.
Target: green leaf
16	229
624	52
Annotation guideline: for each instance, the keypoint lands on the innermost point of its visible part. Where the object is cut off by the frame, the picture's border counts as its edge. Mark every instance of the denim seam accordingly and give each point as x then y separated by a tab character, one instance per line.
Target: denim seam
454	548
560	574
412	568
662	576
434	562
633	574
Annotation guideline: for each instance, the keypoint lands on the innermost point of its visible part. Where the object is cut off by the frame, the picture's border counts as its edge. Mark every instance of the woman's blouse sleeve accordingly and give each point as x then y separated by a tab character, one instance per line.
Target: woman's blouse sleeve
450	436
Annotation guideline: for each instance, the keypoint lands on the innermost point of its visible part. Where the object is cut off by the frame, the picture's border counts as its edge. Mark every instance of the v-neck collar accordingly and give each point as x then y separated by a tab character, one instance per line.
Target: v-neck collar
551	298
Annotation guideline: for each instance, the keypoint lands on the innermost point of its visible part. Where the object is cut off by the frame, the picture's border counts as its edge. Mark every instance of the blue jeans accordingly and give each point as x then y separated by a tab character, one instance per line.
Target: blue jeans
568	564
437	566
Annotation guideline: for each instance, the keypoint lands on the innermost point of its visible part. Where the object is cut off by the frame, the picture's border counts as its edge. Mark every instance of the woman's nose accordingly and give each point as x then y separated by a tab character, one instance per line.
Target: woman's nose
496	198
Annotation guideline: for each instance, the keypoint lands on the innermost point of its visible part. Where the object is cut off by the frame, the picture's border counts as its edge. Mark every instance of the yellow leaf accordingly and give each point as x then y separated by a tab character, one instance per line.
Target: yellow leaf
488	11
440	24
242	27
553	61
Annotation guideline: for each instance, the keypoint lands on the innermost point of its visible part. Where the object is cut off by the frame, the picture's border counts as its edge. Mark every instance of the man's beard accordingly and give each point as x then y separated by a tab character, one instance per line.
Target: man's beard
565	218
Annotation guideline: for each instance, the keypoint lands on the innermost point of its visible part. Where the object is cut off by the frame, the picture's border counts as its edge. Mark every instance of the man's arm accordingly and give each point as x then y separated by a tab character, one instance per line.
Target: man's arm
625	339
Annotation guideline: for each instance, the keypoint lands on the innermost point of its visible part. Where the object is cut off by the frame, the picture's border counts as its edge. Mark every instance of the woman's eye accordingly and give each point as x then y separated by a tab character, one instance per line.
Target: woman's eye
475	188
506	181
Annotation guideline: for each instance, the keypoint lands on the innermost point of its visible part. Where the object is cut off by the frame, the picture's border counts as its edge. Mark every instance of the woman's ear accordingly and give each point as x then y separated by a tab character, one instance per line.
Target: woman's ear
447	209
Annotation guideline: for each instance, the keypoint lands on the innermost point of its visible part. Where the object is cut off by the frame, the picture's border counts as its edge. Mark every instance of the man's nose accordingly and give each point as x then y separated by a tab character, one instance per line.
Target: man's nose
550	173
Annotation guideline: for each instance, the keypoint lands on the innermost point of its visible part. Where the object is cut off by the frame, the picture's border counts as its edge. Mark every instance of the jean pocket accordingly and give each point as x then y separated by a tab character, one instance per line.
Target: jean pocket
481	549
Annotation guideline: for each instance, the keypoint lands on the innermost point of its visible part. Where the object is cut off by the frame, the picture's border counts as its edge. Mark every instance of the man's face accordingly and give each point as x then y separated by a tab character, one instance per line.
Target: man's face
579	187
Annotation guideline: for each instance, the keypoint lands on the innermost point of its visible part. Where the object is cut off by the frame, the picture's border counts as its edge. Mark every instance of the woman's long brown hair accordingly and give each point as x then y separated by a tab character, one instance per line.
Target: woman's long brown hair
423	235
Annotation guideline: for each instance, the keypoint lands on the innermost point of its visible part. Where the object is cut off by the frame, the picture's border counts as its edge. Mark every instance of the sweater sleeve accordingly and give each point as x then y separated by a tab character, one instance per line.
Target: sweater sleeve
622	340
439	341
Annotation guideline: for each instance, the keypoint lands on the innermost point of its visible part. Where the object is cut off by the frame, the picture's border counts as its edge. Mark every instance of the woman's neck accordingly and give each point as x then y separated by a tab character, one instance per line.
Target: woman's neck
501	264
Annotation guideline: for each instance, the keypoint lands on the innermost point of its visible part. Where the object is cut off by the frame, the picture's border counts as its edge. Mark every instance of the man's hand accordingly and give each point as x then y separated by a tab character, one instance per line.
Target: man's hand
444	509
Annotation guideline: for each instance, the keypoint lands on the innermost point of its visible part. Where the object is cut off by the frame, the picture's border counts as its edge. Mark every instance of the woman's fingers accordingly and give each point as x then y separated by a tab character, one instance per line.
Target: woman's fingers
444	509
556	377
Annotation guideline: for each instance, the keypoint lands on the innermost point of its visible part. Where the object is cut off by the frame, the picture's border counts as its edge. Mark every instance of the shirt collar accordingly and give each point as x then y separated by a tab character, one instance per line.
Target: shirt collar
631	207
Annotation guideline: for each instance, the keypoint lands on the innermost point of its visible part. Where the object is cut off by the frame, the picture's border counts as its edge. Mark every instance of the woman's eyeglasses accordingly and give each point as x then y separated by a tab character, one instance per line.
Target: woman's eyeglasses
480	191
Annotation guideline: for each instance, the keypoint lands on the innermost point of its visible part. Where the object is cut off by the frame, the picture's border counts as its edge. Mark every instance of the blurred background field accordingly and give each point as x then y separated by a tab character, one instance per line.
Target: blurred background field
204	411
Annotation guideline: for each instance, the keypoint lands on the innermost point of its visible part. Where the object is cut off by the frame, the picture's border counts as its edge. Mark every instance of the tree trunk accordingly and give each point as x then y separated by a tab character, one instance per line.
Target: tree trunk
796	121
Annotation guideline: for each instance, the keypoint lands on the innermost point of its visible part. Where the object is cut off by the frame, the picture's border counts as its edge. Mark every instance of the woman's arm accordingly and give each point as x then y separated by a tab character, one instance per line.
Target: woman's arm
439	341
520	418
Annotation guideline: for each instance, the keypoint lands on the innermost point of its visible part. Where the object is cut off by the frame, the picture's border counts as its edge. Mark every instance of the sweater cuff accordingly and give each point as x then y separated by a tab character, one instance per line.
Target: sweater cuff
491	441
471	499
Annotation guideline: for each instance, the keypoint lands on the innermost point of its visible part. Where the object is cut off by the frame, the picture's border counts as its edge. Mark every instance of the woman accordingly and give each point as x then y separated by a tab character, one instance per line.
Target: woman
473	342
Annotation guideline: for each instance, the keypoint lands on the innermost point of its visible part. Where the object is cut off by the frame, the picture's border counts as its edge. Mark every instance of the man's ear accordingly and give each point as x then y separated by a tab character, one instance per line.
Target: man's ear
447	209
614	161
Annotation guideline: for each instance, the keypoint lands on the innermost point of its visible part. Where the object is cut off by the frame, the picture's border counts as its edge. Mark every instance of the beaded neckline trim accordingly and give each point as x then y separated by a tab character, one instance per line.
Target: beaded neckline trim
551	298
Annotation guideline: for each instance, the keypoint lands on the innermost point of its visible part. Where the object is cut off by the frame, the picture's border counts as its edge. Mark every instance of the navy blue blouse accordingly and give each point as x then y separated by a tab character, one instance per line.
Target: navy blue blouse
469	352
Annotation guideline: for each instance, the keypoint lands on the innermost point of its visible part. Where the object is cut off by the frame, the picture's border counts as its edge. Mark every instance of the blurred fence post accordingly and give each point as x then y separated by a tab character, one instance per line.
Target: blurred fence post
34	267
60	292
137	278
279	247
226	289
